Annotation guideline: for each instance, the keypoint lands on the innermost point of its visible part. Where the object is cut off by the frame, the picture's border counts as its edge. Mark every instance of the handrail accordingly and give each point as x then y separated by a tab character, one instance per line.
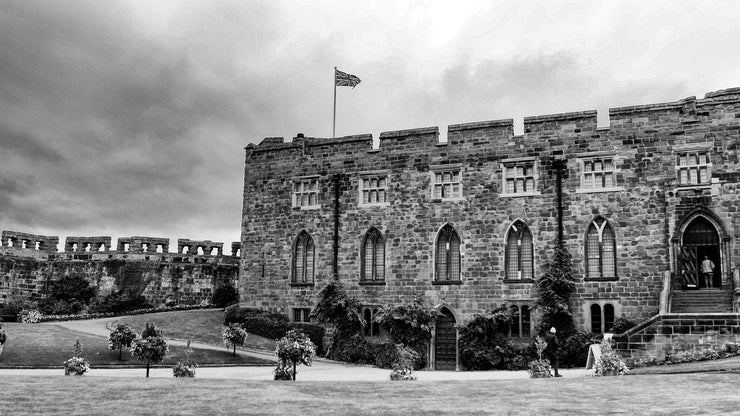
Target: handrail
665	294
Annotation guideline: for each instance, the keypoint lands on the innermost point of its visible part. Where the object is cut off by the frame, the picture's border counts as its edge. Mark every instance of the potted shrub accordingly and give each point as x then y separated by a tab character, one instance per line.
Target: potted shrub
403	363
540	368
609	363
76	365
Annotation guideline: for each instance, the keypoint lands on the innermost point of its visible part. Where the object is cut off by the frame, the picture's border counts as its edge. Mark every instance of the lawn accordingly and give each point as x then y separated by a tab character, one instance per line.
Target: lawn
200	325
692	394
49	345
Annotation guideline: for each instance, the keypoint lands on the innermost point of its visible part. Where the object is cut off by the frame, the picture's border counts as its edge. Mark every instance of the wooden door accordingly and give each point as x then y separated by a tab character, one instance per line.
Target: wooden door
445	345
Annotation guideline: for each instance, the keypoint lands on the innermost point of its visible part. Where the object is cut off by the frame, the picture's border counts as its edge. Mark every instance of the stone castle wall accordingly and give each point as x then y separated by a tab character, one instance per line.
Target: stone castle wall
29	263
645	208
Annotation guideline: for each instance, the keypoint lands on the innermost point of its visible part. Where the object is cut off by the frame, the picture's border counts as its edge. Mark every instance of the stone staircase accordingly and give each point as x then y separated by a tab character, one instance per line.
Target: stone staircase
702	301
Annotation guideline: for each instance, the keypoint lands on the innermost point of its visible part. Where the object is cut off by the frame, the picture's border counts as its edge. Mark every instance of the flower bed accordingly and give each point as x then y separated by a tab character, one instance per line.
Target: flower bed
84	316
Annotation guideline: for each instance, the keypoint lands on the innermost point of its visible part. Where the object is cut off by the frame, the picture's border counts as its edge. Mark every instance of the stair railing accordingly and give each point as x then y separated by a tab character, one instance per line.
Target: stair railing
736	290
666	293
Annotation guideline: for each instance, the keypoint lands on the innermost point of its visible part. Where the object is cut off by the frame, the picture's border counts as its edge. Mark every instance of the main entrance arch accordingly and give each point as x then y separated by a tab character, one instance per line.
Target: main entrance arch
699	240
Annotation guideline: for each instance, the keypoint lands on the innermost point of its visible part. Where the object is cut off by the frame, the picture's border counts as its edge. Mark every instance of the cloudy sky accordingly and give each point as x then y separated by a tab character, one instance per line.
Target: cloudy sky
130	118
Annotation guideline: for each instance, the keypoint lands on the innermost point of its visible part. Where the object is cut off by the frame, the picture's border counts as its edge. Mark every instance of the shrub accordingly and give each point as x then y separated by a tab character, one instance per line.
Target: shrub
483	342
30	316
622	325
353	349
150	347
573	351
119	302
121	337
540	367
185	368
76	365
68	295
410	324
403	363
293	349
609	362
224	296
338	309
234	335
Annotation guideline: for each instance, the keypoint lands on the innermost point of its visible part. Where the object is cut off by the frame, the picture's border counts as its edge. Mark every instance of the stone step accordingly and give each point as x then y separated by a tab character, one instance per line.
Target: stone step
701	301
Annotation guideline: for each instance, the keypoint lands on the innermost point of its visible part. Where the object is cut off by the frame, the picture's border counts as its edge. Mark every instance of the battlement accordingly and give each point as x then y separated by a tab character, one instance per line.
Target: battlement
496	133
41	246
199	247
17	242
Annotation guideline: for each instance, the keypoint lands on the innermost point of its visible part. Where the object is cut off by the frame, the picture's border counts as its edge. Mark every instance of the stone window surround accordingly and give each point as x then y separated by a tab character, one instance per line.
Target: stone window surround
450	167
372	329
504	163
363	240
304	314
601	302
584	157
519	305
705	147
307	276
600	230
294	194
435	277
372	173
507	278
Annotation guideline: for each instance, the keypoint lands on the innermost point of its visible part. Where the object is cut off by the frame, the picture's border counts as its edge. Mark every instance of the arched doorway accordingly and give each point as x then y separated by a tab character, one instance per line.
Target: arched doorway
700	240
445	341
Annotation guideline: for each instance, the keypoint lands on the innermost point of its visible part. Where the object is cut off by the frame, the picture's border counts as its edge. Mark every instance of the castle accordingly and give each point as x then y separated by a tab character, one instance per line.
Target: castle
467	224
29	262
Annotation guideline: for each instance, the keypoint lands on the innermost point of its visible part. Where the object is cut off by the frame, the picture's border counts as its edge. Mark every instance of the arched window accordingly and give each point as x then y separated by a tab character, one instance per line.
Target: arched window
303	259
602	318
601	250
521	322
519	252
447	259
372	328
373	256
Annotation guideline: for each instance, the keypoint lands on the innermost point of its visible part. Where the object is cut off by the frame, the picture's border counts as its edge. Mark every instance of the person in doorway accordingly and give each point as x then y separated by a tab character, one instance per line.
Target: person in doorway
552	350
707	270
3	337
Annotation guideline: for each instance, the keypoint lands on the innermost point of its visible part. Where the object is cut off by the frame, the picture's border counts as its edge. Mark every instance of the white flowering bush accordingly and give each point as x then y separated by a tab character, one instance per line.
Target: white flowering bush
609	362
149	347
403	364
185	368
76	365
293	349
541	366
234	335
121	338
30	316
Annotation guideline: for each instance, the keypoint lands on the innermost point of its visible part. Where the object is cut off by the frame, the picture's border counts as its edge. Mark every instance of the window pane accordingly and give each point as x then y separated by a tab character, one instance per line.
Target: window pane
381	183
596	319
365	195
592	252
441	258
587	166
608	164
437	191
509	171
512	256
456	176
683	177
703	176
530	185
609	180
588	181
381	196
367	249
380	259
455	190
608	242
597	165
527	255
312	199
514	327
520	171
608	317
438	178
447	191
526	322
454	265
447	177
304	200
366	183
519	185
682	160
693	159
693	177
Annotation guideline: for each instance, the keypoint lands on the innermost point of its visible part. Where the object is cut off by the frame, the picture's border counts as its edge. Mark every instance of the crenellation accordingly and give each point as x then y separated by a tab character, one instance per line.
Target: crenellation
199	247
88	244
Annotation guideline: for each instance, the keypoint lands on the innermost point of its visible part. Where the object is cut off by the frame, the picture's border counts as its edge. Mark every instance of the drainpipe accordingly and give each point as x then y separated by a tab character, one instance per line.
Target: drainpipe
337	192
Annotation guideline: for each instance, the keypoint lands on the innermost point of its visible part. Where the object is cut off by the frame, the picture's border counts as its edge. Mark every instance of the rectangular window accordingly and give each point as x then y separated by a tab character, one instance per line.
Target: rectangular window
306	193
447	184
694	168
374	189
302	315
598	173
520	177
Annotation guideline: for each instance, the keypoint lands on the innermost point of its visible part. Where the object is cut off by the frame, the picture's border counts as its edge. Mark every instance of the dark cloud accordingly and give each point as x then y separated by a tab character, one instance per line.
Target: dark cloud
23	145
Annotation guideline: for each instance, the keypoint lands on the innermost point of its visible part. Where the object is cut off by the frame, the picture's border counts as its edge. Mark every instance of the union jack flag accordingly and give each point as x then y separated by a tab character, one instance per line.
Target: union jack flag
343	79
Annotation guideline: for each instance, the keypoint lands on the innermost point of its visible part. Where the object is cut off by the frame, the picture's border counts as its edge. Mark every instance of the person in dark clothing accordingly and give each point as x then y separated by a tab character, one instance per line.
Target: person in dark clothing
552	350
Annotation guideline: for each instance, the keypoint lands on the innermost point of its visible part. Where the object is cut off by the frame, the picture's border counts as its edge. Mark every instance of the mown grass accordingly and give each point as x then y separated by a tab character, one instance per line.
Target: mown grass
200	325
49	345
693	394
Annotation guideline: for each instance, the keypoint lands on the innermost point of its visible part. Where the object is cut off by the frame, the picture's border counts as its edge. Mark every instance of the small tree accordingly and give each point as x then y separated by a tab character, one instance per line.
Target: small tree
150	347
335	307
234	335
185	368
555	287
293	349
121	338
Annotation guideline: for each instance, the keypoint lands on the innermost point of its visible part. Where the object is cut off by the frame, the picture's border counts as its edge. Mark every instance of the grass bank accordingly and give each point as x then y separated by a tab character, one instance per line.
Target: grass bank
49	345
693	394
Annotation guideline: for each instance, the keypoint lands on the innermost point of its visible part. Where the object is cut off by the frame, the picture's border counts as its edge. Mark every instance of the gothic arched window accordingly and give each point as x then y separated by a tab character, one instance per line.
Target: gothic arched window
447	258
519	252
373	256
303	259
601	250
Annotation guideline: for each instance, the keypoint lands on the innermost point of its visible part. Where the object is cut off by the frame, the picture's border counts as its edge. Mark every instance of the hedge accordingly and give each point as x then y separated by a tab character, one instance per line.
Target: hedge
271	325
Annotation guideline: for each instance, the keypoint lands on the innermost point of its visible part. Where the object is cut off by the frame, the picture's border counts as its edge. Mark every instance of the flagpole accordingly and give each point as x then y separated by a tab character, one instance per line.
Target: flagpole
334	120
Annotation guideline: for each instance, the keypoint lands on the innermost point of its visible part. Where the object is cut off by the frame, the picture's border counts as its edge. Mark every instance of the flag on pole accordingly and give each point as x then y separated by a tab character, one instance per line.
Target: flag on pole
343	79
